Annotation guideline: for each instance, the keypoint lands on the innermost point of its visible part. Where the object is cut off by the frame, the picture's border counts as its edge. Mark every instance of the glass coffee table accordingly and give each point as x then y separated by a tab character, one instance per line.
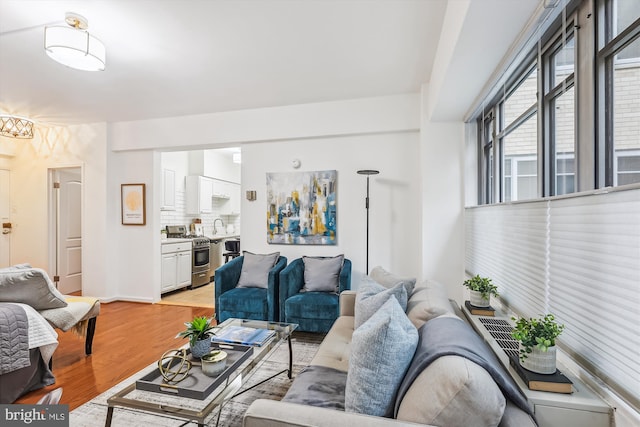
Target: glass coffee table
198	395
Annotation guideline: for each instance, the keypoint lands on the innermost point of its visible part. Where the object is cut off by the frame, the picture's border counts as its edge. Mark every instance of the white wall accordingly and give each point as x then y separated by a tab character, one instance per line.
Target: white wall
54	147
394	238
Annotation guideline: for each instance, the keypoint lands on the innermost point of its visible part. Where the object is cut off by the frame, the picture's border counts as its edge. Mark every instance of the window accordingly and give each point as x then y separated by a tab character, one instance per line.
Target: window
619	56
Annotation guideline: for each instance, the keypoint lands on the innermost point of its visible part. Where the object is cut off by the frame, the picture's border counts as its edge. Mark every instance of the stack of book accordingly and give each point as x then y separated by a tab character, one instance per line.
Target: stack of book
479	311
556	382
243	335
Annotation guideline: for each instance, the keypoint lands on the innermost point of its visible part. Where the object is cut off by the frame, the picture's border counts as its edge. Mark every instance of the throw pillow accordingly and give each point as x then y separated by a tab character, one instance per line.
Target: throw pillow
381	351
322	274
429	300
388	279
255	269
371	296
30	286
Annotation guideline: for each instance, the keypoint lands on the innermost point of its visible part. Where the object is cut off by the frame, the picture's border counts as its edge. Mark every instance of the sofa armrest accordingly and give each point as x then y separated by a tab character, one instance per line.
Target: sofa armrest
272	413
347	303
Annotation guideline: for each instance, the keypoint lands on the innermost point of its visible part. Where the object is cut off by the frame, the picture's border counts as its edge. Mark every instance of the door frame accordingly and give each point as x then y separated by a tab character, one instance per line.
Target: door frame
52	215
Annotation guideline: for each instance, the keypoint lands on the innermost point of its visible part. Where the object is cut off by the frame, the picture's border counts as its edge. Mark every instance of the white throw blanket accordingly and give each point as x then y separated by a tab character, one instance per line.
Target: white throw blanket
41	333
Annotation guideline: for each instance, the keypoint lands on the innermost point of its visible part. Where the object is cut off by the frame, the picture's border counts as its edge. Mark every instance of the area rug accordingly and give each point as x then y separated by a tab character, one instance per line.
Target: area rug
305	346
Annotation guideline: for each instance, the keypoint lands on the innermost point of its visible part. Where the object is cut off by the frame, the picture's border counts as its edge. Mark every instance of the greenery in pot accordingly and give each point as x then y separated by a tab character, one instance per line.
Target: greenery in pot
198	329
482	285
536	332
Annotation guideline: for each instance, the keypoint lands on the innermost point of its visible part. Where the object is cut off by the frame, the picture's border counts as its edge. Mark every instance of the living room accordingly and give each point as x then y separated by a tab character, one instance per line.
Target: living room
416	136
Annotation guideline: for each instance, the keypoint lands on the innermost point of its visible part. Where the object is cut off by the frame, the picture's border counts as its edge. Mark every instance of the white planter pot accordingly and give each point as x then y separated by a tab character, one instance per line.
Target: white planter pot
477	300
214	363
541	362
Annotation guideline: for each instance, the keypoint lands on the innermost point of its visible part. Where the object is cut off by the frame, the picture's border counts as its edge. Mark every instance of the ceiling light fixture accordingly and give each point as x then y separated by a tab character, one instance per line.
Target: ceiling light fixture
73	46
16	127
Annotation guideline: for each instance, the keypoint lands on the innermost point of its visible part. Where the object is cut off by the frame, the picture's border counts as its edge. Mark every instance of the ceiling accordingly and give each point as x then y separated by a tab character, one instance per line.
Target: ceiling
181	57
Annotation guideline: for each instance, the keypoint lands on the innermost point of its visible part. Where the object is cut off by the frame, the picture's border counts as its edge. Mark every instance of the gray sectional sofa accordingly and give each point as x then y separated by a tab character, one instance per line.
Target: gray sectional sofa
451	391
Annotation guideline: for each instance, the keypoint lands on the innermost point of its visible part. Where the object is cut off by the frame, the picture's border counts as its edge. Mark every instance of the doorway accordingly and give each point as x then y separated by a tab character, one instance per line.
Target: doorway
5	219
65	213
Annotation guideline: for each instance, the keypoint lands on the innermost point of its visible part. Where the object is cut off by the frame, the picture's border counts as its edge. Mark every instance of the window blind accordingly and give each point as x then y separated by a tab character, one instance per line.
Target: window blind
577	257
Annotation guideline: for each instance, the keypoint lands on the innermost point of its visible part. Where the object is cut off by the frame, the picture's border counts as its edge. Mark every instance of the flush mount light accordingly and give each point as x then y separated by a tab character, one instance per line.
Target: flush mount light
73	46
16	127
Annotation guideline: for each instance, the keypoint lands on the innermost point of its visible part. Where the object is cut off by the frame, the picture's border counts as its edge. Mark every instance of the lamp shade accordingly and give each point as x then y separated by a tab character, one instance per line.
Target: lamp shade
74	48
16	127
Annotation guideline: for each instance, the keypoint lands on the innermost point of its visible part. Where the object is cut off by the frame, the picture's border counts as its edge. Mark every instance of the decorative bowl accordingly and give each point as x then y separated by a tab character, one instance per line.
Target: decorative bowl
214	362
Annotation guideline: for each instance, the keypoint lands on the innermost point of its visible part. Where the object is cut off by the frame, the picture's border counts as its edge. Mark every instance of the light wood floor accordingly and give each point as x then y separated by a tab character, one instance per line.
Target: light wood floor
129	336
199	297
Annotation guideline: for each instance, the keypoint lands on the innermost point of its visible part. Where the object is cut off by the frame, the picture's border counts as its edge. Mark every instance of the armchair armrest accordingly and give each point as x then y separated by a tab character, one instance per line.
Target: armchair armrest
345	276
273	288
226	278
291	281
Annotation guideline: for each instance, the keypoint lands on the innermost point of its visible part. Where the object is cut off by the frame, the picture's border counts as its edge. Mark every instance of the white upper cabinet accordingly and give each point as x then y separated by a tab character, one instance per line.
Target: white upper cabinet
199	195
168	190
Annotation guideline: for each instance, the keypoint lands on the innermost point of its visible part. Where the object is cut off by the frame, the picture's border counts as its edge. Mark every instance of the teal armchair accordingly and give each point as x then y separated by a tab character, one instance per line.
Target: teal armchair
312	311
246	303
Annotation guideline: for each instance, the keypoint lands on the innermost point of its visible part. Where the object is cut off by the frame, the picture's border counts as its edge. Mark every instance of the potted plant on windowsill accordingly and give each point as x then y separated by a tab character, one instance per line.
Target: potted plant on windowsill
199	331
480	290
537	337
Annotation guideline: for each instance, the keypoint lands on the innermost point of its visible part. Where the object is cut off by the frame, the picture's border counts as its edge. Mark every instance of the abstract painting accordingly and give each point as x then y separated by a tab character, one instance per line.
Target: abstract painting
301	208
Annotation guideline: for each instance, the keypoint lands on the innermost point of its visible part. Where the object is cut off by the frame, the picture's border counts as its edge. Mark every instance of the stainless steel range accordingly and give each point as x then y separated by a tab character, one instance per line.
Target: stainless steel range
200	254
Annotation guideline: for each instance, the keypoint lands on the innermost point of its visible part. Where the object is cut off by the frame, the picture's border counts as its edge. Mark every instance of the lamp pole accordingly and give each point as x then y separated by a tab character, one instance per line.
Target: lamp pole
367	173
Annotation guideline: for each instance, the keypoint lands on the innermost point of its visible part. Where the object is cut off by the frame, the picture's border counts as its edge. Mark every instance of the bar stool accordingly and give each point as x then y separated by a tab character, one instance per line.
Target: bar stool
232	248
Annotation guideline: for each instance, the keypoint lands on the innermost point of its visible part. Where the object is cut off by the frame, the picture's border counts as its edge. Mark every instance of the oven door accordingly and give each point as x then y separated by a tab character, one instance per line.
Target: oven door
201	258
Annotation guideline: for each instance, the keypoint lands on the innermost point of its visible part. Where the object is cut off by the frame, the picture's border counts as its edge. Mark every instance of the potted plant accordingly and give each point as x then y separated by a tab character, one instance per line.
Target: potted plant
537	337
199	332
481	290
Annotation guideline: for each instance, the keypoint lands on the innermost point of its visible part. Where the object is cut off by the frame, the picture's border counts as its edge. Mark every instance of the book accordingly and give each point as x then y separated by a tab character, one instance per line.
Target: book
243	335
479	311
555	383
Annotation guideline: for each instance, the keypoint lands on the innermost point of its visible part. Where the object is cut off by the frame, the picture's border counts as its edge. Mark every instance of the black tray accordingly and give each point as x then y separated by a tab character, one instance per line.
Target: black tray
197	385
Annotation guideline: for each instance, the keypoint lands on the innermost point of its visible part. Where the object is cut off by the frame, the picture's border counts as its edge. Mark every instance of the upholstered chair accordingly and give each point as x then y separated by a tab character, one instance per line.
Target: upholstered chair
247	287
310	289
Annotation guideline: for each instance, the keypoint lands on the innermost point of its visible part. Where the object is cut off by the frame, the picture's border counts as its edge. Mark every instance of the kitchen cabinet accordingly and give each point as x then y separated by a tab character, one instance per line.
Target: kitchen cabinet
176	266
199	195
232	205
168	190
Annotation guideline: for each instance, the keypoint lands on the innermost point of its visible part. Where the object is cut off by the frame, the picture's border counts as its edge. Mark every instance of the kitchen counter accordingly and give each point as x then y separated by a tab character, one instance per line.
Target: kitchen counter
174	240
218	237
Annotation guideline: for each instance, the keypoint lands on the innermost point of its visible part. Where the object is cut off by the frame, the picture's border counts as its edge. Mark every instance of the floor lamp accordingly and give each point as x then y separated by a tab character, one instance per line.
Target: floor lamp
368	173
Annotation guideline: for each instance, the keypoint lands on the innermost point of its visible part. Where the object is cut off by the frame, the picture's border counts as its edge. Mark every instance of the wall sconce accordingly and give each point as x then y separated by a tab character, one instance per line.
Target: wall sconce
251	195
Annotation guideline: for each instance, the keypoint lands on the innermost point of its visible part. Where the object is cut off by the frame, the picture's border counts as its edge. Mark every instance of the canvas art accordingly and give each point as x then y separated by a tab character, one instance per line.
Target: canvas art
301	208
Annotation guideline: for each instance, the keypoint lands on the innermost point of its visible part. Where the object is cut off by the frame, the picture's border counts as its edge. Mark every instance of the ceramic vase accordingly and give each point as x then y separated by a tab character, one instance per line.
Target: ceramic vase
213	363
200	348
477	300
540	362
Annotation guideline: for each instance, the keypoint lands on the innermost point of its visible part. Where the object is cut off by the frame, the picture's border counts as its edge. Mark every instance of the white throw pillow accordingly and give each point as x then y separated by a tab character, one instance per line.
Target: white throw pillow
322	274
30	286
256	268
388	279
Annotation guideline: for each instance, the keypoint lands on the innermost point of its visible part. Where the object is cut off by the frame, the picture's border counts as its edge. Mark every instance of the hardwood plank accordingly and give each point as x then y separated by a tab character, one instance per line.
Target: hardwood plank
129	336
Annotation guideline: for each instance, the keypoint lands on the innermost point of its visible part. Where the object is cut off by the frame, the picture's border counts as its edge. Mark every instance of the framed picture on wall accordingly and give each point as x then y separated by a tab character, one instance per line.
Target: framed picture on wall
133	204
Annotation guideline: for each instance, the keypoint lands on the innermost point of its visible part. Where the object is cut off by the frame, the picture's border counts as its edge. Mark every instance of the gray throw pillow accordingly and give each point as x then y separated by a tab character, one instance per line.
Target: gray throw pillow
371	296
30	286
388	279
381	351
322	274
256	268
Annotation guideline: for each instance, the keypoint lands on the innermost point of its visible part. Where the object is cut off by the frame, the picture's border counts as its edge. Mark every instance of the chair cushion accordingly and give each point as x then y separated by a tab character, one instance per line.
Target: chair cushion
388	279
244	300
30	286
381	351
256	268
371	296
321	274
312	305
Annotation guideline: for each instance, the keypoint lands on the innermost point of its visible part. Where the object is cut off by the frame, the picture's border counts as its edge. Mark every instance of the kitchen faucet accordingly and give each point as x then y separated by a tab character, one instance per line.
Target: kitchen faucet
215	230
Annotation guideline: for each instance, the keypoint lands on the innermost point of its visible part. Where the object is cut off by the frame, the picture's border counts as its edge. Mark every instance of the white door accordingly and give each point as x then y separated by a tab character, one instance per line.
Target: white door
5	229
69	224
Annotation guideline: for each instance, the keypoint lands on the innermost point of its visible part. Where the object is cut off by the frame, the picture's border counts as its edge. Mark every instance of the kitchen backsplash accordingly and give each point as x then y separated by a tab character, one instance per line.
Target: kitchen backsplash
178	216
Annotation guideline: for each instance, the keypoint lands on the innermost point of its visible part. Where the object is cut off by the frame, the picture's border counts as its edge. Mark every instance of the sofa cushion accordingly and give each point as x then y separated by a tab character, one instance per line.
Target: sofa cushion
322	274
318	386
381	351
335	349
453	391
371	296
388	279
429	300
312	305
30	286
255	269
